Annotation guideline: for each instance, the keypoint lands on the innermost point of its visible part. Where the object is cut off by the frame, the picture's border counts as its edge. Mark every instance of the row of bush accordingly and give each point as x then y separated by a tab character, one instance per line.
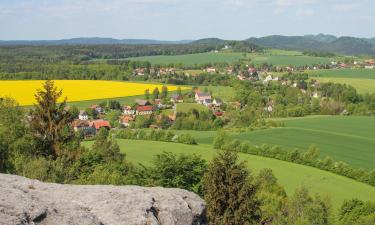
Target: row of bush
154	135
311	157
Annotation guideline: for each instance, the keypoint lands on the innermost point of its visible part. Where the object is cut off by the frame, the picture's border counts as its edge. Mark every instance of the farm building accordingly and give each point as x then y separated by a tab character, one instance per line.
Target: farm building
97	124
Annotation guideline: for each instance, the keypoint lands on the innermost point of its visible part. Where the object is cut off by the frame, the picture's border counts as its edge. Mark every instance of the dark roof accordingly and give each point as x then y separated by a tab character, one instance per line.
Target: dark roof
142	102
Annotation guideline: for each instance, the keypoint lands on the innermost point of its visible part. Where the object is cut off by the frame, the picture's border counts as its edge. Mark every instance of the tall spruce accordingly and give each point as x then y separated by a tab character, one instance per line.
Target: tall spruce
229	192
50	121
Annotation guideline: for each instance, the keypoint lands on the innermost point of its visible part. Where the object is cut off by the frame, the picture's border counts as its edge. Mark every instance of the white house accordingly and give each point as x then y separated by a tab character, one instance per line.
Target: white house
127	110
83	115
201	97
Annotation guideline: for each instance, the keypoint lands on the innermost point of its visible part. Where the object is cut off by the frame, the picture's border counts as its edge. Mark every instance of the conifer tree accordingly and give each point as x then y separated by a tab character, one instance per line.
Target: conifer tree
230	192
50	121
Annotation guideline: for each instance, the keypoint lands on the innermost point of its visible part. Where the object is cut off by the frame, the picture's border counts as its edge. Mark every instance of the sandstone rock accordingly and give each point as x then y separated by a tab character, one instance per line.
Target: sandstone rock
26	201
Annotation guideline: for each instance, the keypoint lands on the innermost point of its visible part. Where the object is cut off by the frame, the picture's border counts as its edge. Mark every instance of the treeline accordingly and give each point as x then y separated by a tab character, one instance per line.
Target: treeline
154	135
233	194
197	120
309	158
319	54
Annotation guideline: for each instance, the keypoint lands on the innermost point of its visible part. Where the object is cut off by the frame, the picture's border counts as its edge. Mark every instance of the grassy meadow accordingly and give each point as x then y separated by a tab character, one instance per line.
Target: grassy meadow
290	175
348	139
271	57
363	86
191	59
76	90
359	73
294	60
362	79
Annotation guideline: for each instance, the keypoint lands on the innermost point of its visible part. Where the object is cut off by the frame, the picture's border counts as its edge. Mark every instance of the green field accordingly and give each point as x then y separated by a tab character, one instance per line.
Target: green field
186	107
348	139
362	79
344	73
279	58
363	86
294	60
226	93
289	175
191	59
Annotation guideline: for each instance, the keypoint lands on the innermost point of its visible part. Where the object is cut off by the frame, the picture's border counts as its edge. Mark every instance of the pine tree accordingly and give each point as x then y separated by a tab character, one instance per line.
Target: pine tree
164	92
155	93
229	192
50	121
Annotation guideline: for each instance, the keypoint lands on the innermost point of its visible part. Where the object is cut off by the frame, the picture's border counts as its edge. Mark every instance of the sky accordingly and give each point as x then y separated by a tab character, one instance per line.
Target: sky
183	19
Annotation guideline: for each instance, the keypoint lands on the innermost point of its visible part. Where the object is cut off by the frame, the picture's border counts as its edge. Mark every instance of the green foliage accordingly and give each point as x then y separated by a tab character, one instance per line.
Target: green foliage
305	209
12	132
113	117
177	171
357	212
155	135
230	192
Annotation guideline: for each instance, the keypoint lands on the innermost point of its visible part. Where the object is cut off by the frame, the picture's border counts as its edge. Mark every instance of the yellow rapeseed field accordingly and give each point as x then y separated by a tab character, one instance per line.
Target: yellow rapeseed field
76	90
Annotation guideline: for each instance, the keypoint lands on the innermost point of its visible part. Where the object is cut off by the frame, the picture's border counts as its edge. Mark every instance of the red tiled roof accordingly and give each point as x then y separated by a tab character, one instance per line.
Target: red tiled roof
145	108
99	124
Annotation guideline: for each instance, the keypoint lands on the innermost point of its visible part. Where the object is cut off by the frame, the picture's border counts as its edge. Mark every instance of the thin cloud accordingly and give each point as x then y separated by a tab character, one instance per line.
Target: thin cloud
305	12
345	7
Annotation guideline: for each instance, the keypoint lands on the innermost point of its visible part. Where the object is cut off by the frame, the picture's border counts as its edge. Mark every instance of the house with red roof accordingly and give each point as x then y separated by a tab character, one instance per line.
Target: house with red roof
97	124
144	110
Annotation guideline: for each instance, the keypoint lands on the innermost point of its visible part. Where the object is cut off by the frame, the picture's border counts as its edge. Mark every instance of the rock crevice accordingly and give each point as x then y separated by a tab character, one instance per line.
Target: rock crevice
25	201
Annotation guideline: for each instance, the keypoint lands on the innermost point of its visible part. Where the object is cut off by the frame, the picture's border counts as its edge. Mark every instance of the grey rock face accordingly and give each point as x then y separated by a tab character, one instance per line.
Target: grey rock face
25	202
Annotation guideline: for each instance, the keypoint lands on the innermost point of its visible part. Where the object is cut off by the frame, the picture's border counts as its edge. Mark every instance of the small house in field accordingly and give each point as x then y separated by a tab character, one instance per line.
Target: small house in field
144	110
98	124
200	97
128	110
210	70
217	102
175	98
83	115
126	120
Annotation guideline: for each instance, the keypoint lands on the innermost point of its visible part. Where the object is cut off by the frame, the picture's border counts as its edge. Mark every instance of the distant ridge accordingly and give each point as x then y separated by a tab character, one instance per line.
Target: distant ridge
318	43
93	41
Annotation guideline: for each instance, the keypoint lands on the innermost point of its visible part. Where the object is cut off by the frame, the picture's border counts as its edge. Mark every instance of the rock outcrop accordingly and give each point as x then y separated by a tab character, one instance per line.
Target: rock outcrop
26	201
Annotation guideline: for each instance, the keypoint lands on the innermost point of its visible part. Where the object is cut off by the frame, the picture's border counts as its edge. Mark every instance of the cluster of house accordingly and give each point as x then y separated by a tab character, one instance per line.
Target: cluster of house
207	100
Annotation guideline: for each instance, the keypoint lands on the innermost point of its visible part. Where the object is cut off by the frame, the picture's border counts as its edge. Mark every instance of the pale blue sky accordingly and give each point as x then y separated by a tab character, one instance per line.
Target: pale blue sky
183	19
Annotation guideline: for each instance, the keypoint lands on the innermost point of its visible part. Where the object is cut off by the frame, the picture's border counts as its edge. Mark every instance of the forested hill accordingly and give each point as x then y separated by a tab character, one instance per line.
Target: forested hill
317	43
320	42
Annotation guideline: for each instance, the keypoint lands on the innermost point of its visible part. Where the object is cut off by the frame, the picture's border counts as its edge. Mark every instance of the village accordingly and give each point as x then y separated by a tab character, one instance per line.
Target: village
90	125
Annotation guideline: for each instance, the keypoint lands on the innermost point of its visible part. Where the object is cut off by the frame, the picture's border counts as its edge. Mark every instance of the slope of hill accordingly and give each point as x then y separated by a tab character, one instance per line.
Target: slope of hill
350	46
285	42
326	43
325	38
290	175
